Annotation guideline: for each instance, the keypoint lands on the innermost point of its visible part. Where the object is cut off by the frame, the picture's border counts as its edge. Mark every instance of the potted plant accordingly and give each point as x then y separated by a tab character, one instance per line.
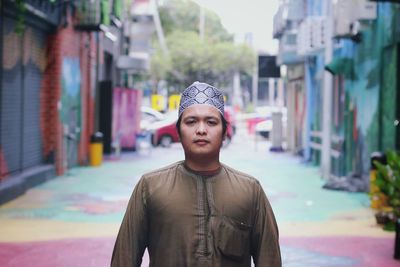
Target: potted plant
388	181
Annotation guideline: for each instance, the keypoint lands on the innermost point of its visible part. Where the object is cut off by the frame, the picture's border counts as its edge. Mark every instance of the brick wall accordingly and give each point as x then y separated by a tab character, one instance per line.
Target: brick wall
67	42
50	95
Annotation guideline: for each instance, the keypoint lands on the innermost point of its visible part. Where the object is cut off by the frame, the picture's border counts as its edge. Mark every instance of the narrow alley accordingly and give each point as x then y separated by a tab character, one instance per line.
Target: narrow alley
309	94
73	220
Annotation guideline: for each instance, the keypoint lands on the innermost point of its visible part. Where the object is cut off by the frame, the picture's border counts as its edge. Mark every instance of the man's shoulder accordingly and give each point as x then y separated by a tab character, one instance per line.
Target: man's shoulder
162	170
245	177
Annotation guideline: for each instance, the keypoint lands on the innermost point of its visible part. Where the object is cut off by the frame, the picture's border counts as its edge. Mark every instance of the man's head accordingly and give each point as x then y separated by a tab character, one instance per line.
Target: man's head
201	124
202	94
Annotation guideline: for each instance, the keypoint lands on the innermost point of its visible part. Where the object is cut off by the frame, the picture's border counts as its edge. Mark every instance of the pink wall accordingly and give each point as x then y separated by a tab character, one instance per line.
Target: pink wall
126	116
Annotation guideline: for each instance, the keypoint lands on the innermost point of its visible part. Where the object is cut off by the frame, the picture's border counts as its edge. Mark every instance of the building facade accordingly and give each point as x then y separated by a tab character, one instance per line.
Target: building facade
50	75
350	52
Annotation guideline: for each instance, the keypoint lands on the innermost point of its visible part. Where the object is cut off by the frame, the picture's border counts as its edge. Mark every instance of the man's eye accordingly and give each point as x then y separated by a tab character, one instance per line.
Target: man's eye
212	122
189	122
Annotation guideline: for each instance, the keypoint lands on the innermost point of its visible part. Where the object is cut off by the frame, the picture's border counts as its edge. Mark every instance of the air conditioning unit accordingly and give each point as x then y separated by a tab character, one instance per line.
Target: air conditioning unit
365	10
279	22
295	10
318	31
348	14
344	11
311	36
304	37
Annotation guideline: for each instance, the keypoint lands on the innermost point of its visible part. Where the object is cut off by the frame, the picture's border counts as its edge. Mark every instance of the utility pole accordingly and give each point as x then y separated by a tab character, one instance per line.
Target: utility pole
201	23
254	85
159	29
237	91
327	96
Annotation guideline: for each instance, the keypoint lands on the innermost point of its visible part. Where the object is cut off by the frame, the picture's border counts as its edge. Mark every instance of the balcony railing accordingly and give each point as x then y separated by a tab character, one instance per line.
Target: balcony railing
47	10
91	14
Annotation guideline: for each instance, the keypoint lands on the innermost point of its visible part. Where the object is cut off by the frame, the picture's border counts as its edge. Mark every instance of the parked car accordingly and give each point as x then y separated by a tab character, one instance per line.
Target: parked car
148	116
164	132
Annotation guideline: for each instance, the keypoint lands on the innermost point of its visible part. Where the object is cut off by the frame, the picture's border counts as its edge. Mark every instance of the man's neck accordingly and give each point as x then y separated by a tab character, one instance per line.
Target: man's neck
202	165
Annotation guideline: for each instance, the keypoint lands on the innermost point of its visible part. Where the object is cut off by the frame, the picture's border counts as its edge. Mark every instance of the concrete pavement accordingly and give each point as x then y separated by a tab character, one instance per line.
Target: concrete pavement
73	220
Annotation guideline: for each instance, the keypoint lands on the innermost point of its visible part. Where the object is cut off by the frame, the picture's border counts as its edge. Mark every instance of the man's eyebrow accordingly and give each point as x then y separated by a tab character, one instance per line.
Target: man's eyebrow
198	117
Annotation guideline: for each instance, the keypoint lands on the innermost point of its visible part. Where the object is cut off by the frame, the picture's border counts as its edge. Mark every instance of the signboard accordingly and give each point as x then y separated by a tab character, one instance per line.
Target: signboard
267	67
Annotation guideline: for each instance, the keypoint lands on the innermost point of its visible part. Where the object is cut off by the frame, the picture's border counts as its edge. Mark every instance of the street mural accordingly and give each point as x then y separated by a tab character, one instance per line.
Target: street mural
71	108
372	59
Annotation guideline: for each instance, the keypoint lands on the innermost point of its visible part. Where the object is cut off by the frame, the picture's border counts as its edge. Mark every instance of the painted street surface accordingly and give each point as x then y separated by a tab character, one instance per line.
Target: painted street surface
73	220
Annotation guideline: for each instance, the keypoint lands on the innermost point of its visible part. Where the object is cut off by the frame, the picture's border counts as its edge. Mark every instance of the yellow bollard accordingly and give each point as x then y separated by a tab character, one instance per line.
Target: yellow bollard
378	199
158	102
96	149
173	102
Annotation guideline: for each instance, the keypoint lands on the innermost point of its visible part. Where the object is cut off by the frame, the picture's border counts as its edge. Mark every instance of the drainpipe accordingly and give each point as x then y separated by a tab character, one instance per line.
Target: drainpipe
327	97
97	85
308	110
1	67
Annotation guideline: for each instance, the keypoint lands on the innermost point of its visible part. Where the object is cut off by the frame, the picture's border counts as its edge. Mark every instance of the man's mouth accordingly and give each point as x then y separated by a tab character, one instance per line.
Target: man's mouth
201	141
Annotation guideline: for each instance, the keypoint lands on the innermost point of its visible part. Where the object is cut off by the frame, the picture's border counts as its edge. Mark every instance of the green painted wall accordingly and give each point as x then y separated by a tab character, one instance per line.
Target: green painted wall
371	92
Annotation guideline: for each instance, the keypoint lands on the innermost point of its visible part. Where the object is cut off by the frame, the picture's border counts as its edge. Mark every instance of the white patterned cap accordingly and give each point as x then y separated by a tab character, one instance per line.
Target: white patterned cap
201	93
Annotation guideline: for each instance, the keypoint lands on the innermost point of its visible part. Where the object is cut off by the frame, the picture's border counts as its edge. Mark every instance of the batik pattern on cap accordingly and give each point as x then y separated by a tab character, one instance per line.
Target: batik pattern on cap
201	93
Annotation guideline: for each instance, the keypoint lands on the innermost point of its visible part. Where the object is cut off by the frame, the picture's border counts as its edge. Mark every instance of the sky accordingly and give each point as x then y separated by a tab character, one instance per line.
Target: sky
243	16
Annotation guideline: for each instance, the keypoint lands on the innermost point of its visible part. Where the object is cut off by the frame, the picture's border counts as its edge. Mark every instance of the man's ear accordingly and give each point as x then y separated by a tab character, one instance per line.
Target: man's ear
224	135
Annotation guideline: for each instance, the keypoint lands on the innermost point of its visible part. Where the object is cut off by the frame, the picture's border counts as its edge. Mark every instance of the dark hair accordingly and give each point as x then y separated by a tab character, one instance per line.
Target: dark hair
223	120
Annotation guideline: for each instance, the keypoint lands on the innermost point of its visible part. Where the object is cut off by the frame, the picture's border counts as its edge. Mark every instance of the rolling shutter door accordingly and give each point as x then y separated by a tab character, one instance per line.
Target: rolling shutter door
20	135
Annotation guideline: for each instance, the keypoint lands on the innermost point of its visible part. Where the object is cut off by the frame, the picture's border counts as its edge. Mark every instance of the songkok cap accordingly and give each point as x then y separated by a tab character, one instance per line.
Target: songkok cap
201	93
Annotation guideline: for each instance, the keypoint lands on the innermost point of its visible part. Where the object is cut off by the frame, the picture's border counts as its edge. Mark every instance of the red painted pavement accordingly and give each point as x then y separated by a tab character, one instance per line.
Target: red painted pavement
365	251
60	253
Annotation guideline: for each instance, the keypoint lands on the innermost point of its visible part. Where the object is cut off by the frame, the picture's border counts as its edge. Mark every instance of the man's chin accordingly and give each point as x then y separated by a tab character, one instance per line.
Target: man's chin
202	154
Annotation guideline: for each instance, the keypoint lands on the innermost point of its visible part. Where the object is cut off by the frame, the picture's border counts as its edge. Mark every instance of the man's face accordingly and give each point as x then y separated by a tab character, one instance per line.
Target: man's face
201	130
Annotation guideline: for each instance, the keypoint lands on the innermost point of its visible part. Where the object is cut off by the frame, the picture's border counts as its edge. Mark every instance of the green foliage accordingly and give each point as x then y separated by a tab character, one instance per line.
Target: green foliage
21	9
184	15
191	59
117	8
105	12
214	59
388	180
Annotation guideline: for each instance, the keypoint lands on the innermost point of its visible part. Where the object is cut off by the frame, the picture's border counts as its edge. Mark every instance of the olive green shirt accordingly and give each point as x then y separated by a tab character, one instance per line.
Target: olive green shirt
186	219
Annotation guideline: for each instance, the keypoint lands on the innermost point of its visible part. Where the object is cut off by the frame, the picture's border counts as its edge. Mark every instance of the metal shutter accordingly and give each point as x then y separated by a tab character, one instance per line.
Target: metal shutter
11	100
20	136
32	77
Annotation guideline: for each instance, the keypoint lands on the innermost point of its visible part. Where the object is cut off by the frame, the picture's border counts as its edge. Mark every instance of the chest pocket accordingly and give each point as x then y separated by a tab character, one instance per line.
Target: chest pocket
234	239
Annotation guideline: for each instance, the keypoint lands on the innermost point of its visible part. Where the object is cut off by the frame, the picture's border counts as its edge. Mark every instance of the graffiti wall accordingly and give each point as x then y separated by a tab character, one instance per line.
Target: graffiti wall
370	92
71	108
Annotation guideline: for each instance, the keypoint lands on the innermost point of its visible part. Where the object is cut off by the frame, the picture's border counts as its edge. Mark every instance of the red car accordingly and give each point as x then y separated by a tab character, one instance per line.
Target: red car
164	132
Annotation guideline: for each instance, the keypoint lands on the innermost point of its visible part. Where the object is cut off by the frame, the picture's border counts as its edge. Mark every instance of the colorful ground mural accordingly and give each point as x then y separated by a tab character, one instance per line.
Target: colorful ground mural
74	219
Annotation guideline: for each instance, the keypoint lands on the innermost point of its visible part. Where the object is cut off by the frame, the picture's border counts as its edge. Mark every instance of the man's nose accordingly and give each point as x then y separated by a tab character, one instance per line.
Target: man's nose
201	129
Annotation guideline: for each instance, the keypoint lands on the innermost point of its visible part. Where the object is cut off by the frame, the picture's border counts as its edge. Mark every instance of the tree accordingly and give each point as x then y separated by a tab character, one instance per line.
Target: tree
184	15
214	59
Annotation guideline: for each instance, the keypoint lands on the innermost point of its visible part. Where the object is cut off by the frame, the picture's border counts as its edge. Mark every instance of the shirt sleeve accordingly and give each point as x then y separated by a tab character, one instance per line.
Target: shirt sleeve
265	237
132	236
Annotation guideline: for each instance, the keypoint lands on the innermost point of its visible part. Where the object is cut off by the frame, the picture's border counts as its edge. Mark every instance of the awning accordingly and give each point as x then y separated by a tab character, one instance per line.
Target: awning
341	65
134	62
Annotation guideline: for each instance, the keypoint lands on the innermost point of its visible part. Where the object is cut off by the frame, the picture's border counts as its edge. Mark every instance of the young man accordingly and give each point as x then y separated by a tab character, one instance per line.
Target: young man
198	212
